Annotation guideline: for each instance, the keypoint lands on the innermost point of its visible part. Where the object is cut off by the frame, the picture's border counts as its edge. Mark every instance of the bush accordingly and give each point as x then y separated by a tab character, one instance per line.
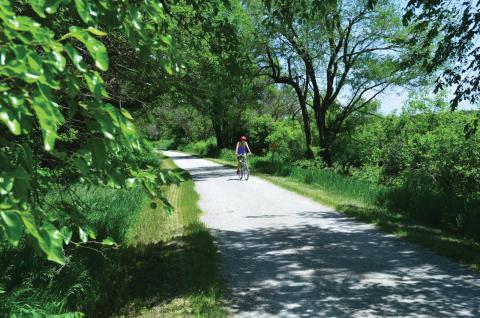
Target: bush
289	140
433	170
259	129
203	148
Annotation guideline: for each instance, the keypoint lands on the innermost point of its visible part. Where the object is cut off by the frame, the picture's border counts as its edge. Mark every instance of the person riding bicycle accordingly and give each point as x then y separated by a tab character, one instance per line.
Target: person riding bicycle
241	150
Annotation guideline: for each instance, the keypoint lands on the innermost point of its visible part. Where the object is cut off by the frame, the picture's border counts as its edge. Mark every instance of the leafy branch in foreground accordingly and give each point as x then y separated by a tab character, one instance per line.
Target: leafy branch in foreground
58	127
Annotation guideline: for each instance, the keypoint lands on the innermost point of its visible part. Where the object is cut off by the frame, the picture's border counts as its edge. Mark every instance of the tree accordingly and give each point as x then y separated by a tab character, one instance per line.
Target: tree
63	123
445	41
333	52
214	50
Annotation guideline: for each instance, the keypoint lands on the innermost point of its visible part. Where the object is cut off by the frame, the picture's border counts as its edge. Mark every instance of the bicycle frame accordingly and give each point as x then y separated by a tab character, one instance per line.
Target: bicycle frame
244	170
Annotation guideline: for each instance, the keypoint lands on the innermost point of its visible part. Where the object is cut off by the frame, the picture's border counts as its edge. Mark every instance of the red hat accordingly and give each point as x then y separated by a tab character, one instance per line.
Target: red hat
243	138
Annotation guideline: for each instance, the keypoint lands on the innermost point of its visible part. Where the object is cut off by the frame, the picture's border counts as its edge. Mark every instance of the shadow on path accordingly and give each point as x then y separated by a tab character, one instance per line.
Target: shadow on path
308	271
204	173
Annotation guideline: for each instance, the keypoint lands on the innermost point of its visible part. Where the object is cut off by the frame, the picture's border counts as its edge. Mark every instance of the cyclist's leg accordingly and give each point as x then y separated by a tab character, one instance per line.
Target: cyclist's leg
238	164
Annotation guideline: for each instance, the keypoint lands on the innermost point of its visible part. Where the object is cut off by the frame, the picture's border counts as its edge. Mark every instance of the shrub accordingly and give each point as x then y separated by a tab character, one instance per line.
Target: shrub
259	130
289	140
203	147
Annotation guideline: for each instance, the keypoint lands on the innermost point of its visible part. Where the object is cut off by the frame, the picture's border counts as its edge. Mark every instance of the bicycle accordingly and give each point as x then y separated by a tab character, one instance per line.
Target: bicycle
244	170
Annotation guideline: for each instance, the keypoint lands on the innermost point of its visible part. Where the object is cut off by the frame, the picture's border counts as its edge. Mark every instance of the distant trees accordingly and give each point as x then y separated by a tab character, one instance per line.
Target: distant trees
215	51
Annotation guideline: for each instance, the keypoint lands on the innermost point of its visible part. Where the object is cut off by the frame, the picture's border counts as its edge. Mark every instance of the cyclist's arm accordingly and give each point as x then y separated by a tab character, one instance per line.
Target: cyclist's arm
248	148
236	148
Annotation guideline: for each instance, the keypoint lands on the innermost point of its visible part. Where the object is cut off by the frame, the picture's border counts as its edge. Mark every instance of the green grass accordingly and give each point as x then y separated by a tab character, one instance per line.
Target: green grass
359	199
165	263
179	249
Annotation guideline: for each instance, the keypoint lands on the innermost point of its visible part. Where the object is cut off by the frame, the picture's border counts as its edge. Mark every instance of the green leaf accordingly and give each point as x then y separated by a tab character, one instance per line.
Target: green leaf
95	84
58	60
6	184
47	238
109	242
91	232
96	31
96	48
126	113
76	58
39	7
83	235
21	185
13	226
26	157
10	120
42	6
84	10
51	243
66	234
49	117
106	124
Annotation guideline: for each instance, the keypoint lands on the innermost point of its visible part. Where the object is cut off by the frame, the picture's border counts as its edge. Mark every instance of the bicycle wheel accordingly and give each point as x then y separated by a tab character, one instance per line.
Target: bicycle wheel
240	176
246	173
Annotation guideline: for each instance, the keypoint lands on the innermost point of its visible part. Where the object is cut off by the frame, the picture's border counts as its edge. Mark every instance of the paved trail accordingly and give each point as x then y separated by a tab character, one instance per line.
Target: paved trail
284	255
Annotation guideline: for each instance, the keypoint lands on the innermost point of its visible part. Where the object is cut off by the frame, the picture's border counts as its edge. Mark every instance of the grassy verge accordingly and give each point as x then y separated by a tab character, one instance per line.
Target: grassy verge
176	273
358	199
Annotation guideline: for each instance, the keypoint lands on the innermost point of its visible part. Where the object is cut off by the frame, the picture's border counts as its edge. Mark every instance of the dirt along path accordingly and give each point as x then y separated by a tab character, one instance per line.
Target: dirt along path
284	255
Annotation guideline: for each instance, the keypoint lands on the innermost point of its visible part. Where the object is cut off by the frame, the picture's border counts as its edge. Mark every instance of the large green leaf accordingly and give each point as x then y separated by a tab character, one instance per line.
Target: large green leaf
106	124
66	234
51	242
76	58
9	118
96	48
83	235
85	10
39	7
47	238
13	226
95	84
49	117
21	186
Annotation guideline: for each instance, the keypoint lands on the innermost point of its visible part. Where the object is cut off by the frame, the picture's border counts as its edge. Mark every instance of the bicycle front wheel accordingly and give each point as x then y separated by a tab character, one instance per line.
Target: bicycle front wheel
246	173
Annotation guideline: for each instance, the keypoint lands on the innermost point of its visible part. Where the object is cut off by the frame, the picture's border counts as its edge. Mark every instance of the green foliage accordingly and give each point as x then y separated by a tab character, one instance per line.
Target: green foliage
51	67
258	131
445	43
425	158
203	148
288	139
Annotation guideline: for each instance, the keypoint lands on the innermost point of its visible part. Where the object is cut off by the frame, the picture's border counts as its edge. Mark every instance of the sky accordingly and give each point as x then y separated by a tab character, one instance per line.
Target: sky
392	100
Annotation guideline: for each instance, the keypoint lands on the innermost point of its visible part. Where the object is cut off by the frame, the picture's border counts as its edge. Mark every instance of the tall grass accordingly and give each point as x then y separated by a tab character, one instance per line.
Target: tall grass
38	288
339	185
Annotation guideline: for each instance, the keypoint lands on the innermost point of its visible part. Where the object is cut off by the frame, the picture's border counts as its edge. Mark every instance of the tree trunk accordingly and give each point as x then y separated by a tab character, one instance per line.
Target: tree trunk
217	127
324	138
306	123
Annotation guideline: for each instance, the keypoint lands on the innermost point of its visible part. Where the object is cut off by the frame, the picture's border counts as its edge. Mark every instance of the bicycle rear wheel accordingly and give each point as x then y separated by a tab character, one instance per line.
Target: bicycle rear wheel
246	171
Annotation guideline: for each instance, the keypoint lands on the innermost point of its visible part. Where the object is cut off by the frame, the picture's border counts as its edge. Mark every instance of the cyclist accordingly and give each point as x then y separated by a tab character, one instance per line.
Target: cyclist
241	150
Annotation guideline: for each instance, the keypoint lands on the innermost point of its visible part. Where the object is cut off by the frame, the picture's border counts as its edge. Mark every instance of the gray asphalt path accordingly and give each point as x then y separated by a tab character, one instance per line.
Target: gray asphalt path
284	255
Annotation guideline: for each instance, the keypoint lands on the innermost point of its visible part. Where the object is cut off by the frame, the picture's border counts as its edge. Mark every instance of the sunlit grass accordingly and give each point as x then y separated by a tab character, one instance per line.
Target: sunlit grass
189	258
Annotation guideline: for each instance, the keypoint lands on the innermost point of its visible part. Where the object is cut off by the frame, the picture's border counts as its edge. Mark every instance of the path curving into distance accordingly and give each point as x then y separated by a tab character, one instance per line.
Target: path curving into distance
284	255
